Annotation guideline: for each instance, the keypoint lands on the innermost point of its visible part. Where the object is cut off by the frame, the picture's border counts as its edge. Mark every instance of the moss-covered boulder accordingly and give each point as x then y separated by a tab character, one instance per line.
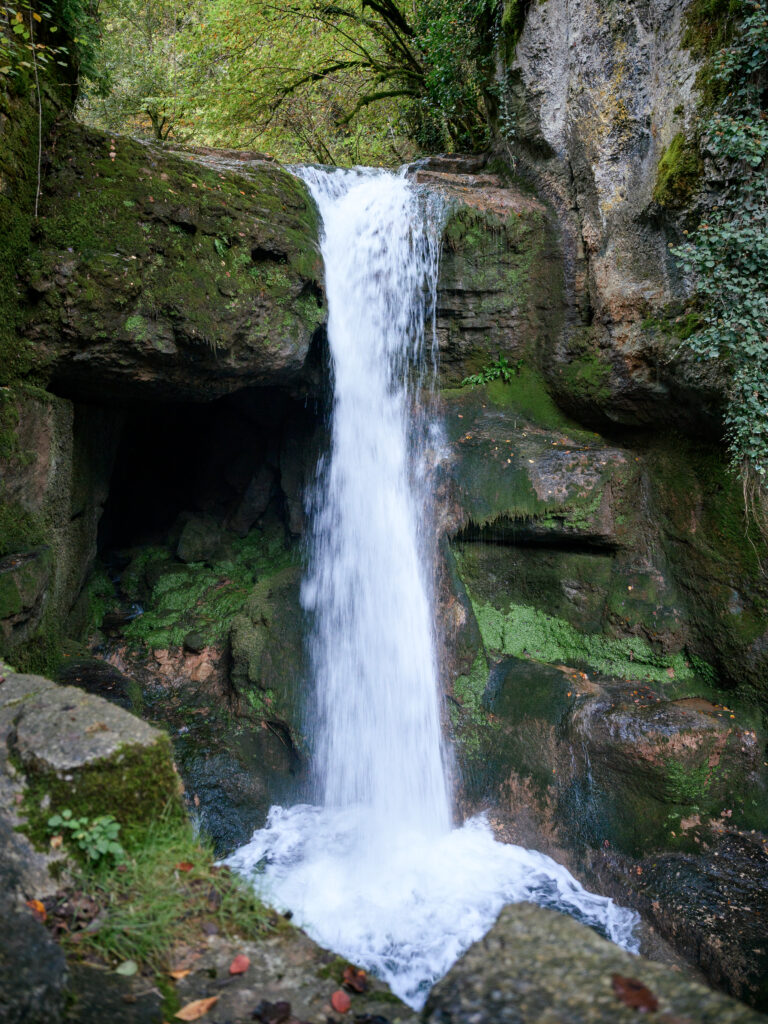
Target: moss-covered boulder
81	753
155	274
268	657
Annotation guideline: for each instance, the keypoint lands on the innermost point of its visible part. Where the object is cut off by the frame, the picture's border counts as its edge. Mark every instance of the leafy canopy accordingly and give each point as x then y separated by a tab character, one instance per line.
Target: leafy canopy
338	82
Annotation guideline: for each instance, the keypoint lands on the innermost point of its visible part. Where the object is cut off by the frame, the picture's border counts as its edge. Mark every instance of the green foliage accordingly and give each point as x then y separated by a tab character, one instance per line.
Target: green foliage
197	597
336	83
97	838
149	904
498	370
727	254
143	68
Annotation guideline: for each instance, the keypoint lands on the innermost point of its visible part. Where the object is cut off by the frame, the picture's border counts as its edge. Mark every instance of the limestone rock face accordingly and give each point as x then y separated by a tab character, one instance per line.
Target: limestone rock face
600	91
500	290
54	479
537	965
158	276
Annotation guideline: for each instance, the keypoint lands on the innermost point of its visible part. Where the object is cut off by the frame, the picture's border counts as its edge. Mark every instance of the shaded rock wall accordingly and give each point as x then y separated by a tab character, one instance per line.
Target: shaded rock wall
599	92
152	279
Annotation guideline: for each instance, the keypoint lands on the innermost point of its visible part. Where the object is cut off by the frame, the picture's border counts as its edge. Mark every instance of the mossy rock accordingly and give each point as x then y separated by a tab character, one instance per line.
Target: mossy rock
268	657
82	753
157	274
500	288
521	467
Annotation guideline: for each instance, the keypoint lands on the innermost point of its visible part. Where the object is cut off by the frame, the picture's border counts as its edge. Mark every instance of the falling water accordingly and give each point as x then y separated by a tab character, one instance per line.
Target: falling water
375	871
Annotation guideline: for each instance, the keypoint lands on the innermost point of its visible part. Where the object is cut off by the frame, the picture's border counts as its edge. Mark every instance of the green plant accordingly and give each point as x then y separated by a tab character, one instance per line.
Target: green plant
500	369
727	255
96	838
166	886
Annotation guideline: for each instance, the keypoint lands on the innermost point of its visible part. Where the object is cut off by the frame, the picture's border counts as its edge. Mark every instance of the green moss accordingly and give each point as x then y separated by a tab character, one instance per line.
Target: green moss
709	25
525	631
20	530
586	377
137	325
202	598
584	380
98	598
137	784
469	690
512	23
687	785
679	172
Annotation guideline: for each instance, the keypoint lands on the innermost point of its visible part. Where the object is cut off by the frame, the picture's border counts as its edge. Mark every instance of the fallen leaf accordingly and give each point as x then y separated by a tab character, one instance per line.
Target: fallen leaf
340	1001
240	964
178	975
184	865
37	909
272	1013
634	993
355	979
128	968
197	1008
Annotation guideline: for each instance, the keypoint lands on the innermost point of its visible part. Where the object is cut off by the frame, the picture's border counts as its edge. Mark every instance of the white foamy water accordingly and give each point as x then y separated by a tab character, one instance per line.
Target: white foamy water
376	872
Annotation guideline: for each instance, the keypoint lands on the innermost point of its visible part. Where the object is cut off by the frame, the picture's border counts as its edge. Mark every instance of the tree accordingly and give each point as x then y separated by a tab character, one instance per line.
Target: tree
141	83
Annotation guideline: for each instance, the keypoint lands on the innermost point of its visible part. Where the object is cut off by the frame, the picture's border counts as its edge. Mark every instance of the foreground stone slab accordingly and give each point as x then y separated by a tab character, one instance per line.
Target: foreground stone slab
539	966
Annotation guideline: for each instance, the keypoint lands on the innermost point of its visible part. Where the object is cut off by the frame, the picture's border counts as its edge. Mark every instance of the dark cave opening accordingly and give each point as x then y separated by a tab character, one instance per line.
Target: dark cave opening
230	460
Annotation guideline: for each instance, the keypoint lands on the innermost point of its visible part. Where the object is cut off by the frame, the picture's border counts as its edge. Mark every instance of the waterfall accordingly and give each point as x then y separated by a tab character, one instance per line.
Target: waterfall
375	870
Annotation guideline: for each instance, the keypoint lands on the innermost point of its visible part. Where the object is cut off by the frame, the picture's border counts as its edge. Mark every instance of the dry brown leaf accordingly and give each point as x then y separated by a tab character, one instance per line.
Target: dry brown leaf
634	993
37	909
240	964
196	1009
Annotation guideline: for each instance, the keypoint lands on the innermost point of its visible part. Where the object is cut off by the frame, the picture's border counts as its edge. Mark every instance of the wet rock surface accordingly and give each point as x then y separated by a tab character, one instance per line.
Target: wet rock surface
537	965
712	904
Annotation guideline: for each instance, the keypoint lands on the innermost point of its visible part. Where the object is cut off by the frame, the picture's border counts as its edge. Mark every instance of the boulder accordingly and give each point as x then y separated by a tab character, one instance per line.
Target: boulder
538	965
155	275
76	751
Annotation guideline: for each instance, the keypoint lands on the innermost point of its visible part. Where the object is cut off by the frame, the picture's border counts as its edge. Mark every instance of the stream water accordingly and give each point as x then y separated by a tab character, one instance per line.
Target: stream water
375	869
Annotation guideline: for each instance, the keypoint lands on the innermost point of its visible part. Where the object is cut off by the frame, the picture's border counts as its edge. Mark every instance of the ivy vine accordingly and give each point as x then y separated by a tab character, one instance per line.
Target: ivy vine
727	254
